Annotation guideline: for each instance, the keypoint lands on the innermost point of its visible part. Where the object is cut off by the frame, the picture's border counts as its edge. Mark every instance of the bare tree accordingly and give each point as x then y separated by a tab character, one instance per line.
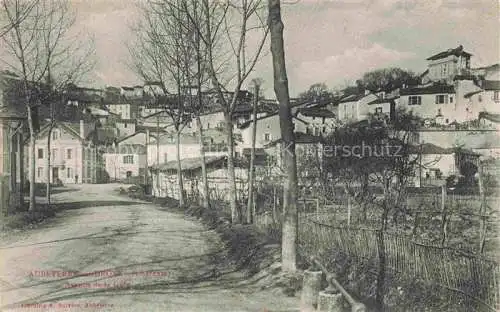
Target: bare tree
25	48
224	31
37	51
167	52
68	60
251	170
290	216
7	24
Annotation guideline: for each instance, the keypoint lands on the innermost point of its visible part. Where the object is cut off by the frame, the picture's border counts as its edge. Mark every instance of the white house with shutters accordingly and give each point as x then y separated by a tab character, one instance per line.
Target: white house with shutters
74	157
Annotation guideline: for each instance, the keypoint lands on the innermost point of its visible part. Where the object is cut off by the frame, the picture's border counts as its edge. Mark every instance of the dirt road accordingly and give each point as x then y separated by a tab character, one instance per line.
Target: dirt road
107	253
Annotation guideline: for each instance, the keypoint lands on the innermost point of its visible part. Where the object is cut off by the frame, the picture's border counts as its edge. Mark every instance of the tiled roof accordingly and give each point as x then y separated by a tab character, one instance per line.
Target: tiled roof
432	89
458	51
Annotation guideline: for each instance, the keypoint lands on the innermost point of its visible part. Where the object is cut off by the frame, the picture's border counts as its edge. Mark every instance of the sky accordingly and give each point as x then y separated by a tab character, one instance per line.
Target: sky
328	41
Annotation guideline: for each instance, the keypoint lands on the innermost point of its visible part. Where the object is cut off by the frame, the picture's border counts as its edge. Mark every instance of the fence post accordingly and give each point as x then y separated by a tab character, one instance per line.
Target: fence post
311	285
275	215
444	221
482	230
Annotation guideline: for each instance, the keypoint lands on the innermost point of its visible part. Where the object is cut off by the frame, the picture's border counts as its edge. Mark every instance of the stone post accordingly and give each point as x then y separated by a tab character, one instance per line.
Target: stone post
330	300
310	288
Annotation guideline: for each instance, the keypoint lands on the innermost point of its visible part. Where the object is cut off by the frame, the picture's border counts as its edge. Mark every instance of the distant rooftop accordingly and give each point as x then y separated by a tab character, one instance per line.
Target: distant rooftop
431	89
458	51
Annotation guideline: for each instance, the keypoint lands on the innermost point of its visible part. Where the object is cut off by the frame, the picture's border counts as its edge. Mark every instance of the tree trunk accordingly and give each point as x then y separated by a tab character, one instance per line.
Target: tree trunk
47	171
205	190
251	171
32	162
290	216
235	212
179	170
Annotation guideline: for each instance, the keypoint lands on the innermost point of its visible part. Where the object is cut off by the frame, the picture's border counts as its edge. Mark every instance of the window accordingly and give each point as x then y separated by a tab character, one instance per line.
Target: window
378	110
40	153
69	172
267	137
125	125
444	69
496	96
69	153
451	99
55	134
479	98
208	125
441	99
128	159
54	153
39	172
414	100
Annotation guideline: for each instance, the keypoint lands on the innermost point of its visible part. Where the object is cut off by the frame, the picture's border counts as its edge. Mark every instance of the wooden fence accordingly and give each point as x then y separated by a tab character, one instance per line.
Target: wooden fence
462	274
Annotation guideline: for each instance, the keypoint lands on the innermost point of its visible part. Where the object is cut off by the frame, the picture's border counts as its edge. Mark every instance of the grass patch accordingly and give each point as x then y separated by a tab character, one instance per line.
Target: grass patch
27	219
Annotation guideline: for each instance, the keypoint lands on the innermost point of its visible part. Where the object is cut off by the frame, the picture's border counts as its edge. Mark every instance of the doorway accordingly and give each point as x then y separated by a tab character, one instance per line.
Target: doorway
55	174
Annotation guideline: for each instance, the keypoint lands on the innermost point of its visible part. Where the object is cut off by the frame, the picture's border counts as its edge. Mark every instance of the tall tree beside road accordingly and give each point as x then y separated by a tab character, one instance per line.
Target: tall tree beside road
290	216
36	51
164	54
224	30
69	59
251	171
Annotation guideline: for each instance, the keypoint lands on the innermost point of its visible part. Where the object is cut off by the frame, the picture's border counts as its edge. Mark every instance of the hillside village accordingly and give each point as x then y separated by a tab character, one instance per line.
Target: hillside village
126	133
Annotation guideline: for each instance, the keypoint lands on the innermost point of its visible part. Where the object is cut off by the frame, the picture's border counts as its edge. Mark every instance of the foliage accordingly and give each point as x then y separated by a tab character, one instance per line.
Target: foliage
317	92
388	79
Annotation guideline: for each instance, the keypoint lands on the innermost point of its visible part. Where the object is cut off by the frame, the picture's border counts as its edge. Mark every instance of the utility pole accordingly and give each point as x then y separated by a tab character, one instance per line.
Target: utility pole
158	154
147	166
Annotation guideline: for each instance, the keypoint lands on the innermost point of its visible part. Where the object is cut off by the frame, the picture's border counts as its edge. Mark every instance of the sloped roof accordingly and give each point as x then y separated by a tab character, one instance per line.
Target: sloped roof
316	112
458	51
491	85
380	101
188	163
431	89
490	116
352	98
430	149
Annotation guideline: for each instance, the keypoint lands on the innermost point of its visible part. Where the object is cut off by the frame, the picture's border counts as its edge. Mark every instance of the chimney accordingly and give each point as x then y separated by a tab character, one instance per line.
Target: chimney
82	129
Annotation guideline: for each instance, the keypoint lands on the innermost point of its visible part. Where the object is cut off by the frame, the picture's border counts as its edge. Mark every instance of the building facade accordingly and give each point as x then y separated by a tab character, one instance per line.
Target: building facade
74	158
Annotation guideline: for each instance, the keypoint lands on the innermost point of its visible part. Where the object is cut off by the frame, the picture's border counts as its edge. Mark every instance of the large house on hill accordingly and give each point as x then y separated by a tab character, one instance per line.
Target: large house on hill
451	91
